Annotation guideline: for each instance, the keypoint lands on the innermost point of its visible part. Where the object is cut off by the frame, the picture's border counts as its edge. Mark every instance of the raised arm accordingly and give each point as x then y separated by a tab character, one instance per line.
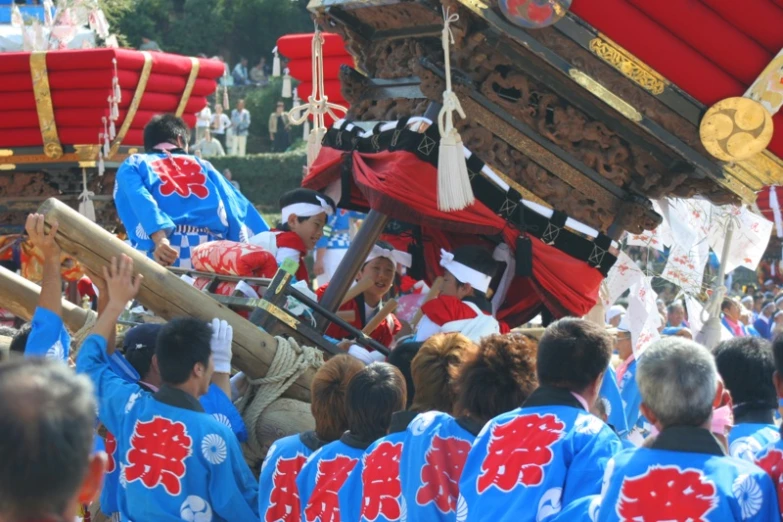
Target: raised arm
52	285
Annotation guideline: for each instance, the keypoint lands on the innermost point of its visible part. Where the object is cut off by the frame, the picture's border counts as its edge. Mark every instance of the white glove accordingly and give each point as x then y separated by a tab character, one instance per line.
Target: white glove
238	386
222	335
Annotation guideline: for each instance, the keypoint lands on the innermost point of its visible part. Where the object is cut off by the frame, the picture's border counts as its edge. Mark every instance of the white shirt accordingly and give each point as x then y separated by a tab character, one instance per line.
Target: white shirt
220	123
204	118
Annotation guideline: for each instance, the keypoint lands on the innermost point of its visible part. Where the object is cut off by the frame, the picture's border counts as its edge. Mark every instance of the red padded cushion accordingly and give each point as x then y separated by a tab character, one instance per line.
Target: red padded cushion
294	46
231	258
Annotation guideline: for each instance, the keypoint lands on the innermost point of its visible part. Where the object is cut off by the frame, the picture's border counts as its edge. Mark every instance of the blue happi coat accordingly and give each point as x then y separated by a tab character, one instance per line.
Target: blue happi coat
176	461
323	476
747	439
686	476
278	496
528	464
373	492
183	195
435	448
336	234
613	402
48	336
632	399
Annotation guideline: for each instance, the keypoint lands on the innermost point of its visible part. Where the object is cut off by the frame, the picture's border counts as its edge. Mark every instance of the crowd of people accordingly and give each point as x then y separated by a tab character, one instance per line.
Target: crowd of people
463	421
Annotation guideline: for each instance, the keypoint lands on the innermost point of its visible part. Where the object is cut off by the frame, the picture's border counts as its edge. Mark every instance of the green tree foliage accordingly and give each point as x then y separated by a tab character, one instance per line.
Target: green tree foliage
233	28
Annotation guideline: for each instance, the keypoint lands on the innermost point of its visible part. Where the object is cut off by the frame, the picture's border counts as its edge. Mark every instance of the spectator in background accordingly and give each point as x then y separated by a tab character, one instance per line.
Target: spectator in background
239	74
258	73
47	417
220	124
614	315
240	122
203	121
209	147
676	315
149	45
731	318
763	323
226	79
279	125
229	177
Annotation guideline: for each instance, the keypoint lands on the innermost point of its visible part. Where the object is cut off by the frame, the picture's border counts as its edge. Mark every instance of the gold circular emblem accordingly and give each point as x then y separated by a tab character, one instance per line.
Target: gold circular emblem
735	129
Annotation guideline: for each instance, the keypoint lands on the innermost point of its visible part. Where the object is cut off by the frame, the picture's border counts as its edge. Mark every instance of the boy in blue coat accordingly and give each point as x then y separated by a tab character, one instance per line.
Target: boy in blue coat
684	472
373	490
373	395
526	465
179	462
171	202
497	379
278	497
746	365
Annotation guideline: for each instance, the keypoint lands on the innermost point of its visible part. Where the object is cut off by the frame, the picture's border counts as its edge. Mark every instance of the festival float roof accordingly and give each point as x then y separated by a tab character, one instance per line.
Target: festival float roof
55	109
593	116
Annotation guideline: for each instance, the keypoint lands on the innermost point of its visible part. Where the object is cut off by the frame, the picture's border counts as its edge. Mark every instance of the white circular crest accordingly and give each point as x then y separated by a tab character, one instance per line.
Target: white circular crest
607	405
549	504
588	424
195	509
745	448
222	214
422	422
213	447
749	495
462	509
140	232
57	351
222	419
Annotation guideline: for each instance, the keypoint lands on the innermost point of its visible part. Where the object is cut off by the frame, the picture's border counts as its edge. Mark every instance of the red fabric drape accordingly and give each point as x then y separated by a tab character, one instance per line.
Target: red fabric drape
404	187
294	46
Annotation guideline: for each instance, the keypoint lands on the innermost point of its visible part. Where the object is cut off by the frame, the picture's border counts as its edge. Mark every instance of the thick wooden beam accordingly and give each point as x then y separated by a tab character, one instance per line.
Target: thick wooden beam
346	272
167	295
20	297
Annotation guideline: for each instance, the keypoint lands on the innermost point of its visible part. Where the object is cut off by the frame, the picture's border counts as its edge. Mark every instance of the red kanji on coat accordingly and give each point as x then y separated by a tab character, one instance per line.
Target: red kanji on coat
441	473
381	488
667	493
772	463
157	454
111	448
518	451
323	505
181	175
284	498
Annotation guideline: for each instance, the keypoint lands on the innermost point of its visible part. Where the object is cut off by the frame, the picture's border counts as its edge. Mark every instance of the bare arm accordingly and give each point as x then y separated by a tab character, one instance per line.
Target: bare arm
52	285
122	288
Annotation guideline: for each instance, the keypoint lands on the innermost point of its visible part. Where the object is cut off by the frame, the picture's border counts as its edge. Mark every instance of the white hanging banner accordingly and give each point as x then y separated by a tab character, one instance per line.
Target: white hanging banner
689	221
685	267
643	315
624	274
694	309
749	240
658	239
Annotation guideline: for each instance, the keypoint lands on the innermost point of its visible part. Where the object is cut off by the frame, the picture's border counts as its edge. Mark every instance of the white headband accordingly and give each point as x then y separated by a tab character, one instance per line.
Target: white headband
395	256
306	209
464	273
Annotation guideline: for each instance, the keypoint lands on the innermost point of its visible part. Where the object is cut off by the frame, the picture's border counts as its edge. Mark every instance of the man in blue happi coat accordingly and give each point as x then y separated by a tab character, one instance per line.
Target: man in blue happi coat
683	473
528	464
747	365
171	202
178	462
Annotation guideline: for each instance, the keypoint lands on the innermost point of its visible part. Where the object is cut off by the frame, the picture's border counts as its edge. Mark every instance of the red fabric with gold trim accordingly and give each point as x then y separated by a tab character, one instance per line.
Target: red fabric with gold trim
721	47
384	333
403	187
82	79
294	46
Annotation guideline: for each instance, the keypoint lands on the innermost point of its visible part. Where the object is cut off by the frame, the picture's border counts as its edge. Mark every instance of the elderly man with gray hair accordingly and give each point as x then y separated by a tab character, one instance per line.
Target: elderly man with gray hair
47	420
684	473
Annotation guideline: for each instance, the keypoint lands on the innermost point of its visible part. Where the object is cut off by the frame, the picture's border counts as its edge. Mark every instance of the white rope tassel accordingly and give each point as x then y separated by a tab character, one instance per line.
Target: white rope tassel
454	190
86	206
289	363
116	83
276	63
306	132
317	104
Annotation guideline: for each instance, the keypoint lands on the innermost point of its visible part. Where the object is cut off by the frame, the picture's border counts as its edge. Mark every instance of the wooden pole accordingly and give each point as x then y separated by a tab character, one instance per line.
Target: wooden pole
432	294
20	297
354	258
166	294
388	308
358	288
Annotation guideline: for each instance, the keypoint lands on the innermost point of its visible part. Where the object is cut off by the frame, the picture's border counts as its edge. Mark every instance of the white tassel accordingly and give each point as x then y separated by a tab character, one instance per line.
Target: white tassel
306	130
314	140
101	165
112	130
287	88
106	145
276	64
225	99
454	190
86	206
